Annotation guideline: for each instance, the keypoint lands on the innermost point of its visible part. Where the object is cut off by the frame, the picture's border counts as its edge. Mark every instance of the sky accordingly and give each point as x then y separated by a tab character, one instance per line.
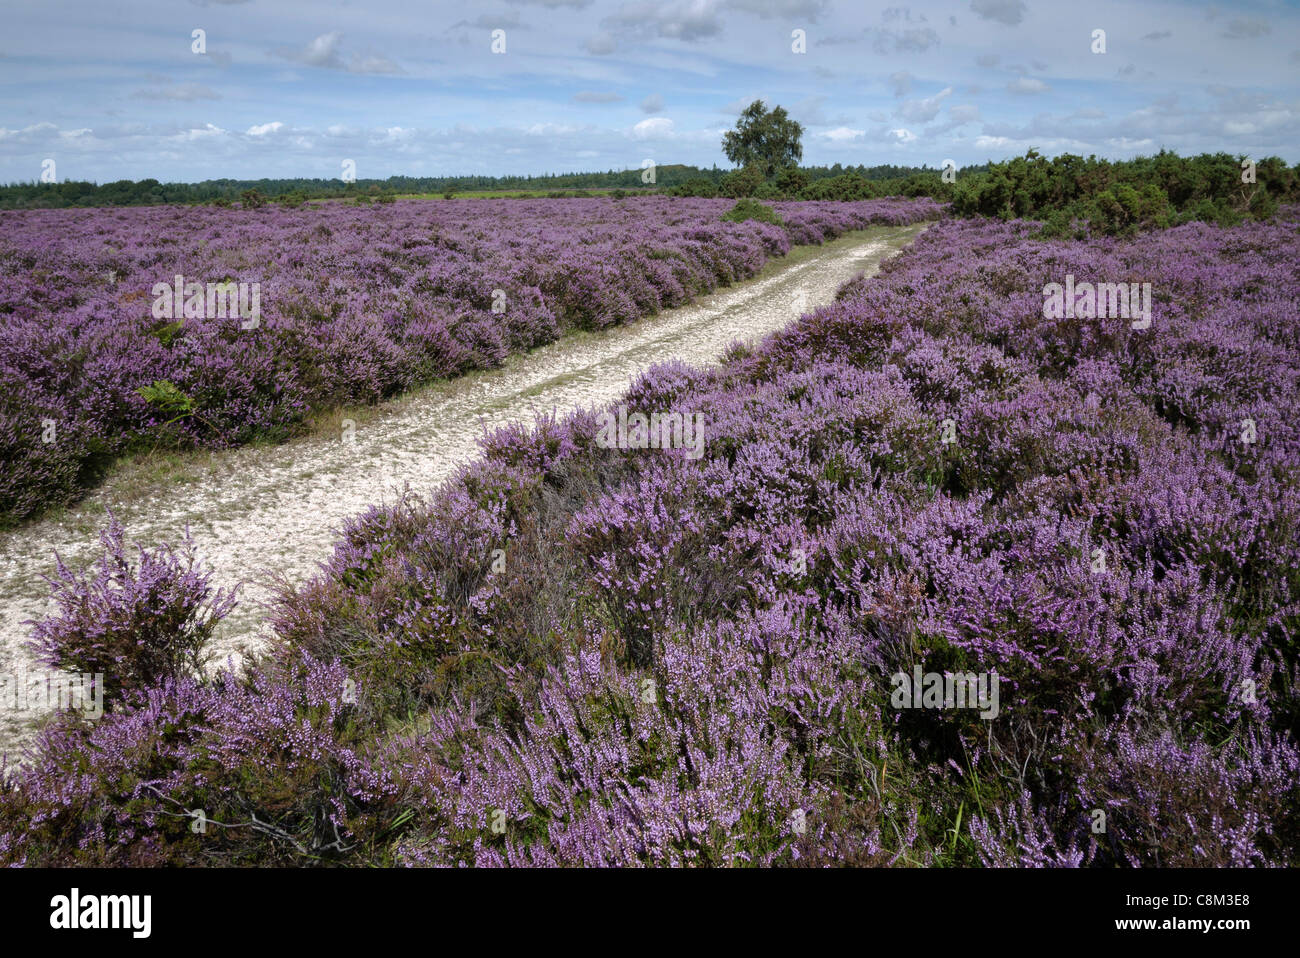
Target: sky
287	88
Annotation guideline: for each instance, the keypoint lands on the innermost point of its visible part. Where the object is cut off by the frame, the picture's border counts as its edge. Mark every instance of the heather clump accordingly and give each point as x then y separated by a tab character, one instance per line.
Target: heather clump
136	621
229	771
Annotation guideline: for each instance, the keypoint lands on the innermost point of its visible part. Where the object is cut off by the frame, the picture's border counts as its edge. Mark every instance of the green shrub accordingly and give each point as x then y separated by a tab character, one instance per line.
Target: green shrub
742	183
695	186
791	181
747	209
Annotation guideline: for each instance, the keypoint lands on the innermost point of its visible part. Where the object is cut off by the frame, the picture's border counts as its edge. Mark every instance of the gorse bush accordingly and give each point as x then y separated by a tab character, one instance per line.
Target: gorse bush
138	621
1071	193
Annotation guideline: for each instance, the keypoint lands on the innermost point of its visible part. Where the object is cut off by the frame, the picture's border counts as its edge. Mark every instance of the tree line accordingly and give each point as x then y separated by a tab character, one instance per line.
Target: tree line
1071	195
35	195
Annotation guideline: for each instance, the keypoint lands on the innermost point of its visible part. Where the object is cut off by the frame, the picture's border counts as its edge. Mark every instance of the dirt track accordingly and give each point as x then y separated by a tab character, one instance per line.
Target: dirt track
257	509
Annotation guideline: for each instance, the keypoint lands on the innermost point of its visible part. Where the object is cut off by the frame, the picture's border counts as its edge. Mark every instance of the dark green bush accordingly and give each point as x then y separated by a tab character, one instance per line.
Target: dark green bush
747	209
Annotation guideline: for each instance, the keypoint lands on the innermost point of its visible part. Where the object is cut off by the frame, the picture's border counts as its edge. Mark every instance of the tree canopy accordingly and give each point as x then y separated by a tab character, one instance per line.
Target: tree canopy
765	139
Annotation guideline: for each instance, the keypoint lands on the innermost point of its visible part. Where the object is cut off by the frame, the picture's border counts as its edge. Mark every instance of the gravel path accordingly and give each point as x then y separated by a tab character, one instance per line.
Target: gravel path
277	509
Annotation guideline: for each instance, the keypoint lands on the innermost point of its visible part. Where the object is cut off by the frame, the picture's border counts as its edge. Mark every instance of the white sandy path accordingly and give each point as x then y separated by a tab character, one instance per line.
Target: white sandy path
279	508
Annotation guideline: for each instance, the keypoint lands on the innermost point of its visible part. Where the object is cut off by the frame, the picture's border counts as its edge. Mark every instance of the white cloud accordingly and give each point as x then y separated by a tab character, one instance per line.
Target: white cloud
209	130
923	111
323	52
264	129
655	126
1027	85
688	20
1009	12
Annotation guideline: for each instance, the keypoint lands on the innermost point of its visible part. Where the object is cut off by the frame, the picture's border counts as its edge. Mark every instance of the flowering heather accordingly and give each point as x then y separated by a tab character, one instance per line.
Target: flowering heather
687	660
136	623
354	305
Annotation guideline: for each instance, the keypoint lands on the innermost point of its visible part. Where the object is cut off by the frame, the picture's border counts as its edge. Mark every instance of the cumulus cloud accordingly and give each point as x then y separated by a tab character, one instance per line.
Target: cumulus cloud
1009	12
264	129
687	20
653	128
1027	85
957	116
195	133
923	111
908	40
323	52
842	133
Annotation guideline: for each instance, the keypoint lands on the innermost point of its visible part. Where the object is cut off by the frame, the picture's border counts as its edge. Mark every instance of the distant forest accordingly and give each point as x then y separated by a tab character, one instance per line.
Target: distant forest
146	192
1071	195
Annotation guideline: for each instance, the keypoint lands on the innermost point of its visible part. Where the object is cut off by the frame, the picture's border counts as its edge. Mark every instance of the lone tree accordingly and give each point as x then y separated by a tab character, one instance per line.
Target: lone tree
763	139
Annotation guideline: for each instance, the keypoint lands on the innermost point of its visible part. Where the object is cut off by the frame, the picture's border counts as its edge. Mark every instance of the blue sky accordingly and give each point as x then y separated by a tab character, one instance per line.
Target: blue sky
297	87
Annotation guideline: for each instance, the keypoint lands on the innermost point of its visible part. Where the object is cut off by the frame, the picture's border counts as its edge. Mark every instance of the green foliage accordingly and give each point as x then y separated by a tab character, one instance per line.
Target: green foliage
252	199
741	183
669	177
747	209
791	180
696	186
165	333
1075	196
768	140
850	186
166	398
292	199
